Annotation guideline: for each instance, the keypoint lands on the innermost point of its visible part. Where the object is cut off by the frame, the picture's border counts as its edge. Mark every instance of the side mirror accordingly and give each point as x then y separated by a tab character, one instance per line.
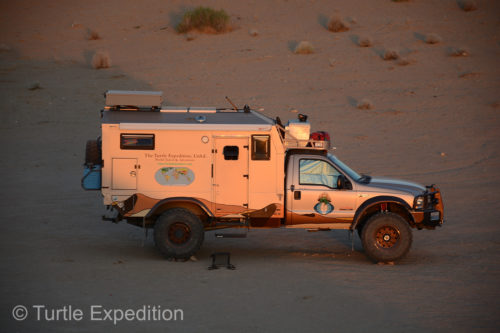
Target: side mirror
340	182
343	183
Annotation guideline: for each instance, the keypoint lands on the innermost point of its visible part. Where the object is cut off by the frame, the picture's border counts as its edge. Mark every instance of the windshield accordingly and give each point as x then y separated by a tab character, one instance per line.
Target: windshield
350	172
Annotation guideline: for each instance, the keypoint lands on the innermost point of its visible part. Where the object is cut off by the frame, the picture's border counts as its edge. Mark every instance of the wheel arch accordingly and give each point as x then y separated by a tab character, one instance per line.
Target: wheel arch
374	205
193	205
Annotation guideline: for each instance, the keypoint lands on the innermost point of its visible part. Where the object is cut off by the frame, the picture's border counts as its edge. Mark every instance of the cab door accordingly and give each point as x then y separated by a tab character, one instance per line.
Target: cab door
314	196
230	175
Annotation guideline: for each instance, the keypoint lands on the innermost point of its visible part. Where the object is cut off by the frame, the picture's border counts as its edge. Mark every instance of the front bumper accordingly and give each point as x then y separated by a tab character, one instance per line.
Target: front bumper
432	215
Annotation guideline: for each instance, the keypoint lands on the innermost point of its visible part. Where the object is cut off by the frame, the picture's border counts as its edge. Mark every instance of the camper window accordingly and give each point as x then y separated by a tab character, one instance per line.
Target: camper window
261	147
231	152
137	141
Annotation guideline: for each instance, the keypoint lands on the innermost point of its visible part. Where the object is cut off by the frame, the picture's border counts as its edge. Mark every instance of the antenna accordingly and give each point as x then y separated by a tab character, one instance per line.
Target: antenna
234	106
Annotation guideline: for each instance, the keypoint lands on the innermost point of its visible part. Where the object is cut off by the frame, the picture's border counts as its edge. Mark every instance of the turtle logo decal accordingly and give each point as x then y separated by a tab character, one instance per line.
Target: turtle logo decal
324	205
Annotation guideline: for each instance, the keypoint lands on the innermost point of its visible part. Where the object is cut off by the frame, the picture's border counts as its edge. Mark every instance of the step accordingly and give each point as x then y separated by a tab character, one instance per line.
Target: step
238	235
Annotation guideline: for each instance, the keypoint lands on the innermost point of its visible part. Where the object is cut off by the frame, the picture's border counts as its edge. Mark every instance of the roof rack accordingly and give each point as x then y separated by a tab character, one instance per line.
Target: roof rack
133	100
297	135
292	143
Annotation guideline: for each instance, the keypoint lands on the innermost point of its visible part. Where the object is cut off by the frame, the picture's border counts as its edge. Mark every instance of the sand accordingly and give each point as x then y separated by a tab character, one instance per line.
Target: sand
434	120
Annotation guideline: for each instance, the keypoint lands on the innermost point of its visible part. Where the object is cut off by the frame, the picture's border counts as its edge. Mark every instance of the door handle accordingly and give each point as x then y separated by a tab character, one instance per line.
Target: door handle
132	173
297	195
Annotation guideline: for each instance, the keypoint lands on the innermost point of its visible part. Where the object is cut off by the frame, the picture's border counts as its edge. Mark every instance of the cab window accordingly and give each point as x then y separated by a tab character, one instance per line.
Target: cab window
317	172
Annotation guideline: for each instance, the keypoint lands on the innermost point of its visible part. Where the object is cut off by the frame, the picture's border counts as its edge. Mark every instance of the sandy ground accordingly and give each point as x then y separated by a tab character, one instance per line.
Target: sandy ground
435	120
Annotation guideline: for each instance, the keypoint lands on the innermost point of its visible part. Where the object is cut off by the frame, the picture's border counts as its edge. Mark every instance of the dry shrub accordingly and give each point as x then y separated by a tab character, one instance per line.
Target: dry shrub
393	112
4	48
35	86
470	75
433	39
365	104
459	52
468	5
204	19
253	32
336	24
365	41
304	47
403	62
93	35
101	60
390	55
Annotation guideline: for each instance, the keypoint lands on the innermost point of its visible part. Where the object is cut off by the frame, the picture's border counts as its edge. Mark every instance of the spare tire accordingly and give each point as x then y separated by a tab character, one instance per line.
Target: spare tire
93	152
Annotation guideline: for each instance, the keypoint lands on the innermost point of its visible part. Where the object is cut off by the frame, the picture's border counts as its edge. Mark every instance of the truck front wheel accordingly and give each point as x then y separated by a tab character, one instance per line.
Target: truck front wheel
178	233
386	237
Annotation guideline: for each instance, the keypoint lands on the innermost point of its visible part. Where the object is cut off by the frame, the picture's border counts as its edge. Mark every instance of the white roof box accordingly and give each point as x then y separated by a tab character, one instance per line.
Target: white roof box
139	99
299	130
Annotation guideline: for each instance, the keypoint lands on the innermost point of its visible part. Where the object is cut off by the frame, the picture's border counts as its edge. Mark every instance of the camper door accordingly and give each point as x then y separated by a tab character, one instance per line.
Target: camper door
230	175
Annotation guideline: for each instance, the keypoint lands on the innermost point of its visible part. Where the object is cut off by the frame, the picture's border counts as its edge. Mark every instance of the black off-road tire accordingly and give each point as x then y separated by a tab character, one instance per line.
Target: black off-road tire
386	237
359	229
178	233
93	152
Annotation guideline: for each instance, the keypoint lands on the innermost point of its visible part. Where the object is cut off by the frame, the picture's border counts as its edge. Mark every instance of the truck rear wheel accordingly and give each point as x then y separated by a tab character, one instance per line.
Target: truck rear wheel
386	237
178	233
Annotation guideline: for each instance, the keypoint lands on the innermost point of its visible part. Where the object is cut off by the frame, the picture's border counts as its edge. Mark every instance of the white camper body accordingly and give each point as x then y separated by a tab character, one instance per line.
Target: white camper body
231	161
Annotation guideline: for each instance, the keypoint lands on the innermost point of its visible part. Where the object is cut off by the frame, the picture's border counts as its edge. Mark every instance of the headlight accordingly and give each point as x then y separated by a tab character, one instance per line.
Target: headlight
419	202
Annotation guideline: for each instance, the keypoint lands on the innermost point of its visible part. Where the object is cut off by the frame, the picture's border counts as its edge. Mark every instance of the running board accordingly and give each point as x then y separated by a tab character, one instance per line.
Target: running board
240	235
320	226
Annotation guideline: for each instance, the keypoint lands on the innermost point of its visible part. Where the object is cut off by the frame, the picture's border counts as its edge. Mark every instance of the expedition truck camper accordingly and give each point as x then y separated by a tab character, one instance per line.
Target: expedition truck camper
184	170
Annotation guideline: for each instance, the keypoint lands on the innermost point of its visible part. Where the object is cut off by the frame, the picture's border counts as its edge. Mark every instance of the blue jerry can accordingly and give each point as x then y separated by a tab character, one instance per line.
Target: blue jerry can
91	177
